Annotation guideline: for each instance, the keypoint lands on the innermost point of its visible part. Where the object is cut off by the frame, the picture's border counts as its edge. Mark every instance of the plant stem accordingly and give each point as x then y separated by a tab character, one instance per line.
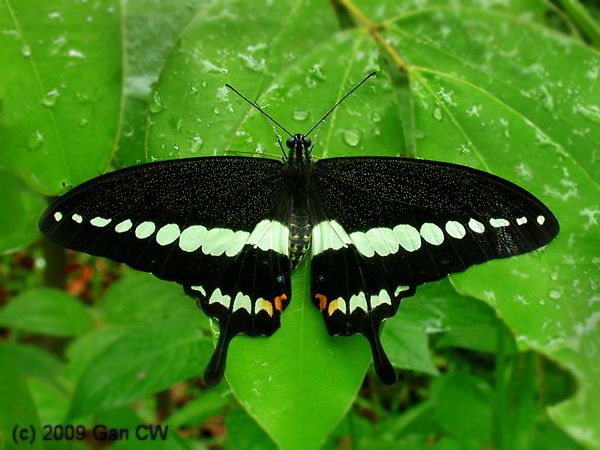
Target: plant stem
584	21
500	410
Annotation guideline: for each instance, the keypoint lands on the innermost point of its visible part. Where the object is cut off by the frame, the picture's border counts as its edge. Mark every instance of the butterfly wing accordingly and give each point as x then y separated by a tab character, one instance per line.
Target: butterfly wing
214	225
386	225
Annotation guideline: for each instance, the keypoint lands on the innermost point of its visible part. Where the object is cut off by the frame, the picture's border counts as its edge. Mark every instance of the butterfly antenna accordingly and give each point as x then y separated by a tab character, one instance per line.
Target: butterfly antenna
260	109
340	101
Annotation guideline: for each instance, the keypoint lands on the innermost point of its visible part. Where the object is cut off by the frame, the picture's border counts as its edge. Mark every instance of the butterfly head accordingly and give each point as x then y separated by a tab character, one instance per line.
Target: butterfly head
299	146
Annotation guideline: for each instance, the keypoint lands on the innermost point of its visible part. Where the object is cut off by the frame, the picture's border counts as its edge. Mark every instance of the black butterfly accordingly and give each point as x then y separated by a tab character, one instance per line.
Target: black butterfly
232	229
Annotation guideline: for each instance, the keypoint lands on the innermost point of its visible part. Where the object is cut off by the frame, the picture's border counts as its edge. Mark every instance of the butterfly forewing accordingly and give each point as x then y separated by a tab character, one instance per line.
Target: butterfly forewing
215	225
386	225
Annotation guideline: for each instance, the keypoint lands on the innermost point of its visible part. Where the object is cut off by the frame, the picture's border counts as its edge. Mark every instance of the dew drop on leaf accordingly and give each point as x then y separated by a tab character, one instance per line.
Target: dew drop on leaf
300	115
590	112
50	98
83	122
26	50
437	113
376	117
351	137
35	140
196	143
156	106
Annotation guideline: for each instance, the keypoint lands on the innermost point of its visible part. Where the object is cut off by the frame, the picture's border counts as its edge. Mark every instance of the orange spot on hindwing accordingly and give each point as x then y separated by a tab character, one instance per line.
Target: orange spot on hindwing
322	301
278	300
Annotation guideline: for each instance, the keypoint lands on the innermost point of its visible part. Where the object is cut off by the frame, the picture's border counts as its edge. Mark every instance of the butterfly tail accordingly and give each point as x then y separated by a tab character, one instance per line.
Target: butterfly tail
383	367
215	369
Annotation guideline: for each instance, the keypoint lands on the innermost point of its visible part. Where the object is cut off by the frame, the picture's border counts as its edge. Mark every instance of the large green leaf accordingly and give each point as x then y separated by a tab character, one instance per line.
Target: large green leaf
19	213
145	54
16	405
47	311
60	86
143	360
498	93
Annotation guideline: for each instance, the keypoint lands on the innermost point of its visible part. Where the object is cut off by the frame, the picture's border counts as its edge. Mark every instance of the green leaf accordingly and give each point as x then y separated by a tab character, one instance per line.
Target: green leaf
298	383
406	345
208	404
126	301
16	404
145	54
46	311
19	214
60	88
462	406
520	112
244	434
35	362
143	360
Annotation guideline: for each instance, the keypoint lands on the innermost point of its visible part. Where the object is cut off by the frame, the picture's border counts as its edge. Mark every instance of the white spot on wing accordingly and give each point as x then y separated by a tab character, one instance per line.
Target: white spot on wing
377	240
541	220
382	298
237	242
432	233
476	226
123	226
521	220
58	216
358	301
400	289
497	223
216	241
100	221
242	302
218	297
362	244
192	238
408	237
199	289
455	229
77	218
167	234
329	235
144	229
270	235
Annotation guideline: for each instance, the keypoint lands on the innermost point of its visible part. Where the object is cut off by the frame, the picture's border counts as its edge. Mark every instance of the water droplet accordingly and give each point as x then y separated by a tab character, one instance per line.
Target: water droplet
57	45
216	110
250	62
163	146
83	122
82	97
26	50
156	106
590	112
196	143
310	82
376	117
50	98
193	91
176	147
351	137
35	140
300	115
437	113
204	84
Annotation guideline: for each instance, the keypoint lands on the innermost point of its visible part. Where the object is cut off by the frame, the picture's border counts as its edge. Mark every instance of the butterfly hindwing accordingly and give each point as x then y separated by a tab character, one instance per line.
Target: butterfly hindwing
383	226
215	225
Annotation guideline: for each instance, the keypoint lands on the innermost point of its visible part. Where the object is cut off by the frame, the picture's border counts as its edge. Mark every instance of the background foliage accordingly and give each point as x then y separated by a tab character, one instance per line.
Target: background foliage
502	356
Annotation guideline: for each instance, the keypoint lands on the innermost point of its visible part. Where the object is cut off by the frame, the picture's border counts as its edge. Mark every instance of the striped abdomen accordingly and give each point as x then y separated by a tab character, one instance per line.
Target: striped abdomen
299	238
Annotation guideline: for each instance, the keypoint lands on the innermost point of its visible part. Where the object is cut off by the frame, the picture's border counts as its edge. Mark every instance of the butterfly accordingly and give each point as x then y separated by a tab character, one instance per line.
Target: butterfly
231	230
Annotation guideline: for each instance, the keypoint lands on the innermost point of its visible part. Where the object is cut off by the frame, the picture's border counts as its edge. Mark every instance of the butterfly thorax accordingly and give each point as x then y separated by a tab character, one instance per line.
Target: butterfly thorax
299	168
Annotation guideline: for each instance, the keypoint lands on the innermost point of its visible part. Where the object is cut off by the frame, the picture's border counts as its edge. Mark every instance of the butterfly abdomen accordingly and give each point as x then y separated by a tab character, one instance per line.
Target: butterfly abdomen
300	230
